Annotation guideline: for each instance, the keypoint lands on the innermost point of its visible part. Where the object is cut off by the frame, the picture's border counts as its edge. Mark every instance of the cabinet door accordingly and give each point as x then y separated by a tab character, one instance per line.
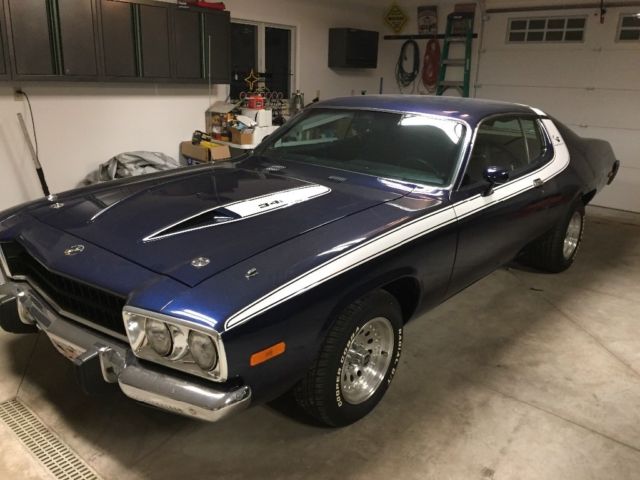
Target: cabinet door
3	44
217	45
188	44
30	35
154	41
77	37
118	39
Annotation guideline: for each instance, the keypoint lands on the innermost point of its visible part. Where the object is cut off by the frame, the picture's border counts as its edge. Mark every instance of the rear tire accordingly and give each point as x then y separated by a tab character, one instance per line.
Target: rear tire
557	249
356	362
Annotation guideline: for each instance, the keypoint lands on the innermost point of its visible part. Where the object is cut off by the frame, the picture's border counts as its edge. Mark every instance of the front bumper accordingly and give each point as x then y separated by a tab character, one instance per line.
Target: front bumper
183	395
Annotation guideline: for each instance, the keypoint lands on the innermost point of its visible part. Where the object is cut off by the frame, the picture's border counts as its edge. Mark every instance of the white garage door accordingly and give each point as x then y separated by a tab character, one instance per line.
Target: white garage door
593	85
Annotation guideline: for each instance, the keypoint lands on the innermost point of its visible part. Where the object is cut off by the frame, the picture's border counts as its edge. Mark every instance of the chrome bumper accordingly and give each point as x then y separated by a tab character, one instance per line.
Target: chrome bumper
193	398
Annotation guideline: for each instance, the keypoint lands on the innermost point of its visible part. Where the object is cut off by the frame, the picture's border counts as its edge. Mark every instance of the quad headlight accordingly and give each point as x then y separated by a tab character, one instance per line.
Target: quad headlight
175	343
203	350
158	336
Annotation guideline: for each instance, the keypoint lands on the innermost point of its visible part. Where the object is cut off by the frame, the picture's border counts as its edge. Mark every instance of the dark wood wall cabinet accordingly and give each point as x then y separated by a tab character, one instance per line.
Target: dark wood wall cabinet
78	37
4	69
112	40
118	39
155	41
187	28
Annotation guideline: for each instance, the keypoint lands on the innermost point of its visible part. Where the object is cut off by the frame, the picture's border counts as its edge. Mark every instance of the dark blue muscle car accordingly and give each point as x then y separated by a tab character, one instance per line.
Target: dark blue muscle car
206	289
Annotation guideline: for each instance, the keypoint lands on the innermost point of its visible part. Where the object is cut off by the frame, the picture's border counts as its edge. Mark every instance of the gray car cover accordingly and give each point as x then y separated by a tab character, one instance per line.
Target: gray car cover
129	164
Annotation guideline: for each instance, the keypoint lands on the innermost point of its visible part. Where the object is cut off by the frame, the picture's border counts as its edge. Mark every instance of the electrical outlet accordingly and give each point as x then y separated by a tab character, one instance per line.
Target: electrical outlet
18	95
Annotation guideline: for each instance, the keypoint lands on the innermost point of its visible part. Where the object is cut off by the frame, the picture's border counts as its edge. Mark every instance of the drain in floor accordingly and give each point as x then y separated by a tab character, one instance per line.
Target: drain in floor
45	445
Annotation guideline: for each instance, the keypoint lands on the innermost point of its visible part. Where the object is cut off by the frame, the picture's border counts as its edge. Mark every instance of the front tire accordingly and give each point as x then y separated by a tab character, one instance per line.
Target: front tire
556	250
356	362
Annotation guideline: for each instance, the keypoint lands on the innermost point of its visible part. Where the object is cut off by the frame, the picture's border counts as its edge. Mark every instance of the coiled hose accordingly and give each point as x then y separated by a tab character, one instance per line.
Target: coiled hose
431	65
404	78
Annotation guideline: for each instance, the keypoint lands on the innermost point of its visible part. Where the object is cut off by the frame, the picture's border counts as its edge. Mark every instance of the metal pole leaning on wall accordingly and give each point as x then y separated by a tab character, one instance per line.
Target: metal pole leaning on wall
34	156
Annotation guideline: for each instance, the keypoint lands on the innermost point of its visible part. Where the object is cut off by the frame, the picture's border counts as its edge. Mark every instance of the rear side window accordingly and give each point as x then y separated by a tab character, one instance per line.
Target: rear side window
514	143
503	142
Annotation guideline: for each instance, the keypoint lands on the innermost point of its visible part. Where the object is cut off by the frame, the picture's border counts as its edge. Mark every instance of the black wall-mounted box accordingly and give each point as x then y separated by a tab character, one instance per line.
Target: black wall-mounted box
352	48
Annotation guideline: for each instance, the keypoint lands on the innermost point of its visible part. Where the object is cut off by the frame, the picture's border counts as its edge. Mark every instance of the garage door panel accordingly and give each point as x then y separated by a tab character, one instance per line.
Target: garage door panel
536	65
624	143
618	68
611	108
593	108
623	192
553	101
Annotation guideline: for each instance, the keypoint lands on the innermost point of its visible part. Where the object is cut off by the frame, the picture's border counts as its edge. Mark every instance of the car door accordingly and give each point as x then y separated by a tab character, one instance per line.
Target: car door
494	226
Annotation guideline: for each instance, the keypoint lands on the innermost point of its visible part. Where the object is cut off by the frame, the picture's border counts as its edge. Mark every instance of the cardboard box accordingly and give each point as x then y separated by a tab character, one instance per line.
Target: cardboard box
242	137
200	153
217	114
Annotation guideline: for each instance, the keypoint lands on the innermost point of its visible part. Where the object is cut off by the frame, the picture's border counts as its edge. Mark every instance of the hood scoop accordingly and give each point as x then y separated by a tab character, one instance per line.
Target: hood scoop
237	211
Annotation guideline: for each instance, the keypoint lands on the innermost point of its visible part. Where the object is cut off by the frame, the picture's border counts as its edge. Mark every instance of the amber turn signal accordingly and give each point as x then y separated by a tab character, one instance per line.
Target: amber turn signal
267	354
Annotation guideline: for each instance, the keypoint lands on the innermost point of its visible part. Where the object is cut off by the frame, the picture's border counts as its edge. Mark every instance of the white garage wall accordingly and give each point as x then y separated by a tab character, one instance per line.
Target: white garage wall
80	126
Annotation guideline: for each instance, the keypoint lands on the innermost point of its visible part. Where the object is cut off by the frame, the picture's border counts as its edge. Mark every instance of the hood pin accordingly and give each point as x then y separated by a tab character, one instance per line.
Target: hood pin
252	272
200	262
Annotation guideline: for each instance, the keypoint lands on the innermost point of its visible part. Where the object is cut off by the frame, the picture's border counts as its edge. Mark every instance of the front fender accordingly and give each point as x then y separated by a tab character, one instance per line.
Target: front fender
302	323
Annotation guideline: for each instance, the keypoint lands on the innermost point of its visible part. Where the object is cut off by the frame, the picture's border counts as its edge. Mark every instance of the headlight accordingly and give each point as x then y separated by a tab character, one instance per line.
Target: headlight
158	336
203	350
175	343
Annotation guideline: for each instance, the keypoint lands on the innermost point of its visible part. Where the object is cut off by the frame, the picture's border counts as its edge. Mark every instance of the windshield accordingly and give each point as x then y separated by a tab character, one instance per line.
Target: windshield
415	148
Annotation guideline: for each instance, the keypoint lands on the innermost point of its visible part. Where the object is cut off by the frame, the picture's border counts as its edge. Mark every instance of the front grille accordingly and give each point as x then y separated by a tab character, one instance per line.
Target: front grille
91	303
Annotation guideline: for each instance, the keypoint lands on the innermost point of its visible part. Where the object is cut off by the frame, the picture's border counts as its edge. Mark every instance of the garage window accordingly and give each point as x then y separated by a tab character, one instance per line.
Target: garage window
629	28
549	29
266	49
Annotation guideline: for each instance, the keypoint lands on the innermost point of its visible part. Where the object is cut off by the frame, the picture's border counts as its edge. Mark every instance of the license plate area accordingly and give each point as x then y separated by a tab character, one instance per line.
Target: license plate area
66	348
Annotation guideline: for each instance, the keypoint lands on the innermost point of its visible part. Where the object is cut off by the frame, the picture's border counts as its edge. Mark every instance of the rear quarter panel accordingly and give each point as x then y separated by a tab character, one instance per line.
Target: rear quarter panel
591	159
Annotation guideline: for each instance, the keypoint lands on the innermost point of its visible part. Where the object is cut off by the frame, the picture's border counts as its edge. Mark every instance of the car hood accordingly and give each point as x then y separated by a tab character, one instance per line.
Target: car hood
192	224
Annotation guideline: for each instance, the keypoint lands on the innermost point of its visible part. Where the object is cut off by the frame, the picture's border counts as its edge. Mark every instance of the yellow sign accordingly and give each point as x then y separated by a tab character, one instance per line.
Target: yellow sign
395	18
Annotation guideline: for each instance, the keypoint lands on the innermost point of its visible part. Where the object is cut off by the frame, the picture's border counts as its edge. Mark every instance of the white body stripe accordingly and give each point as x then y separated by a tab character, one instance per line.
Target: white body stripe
351	259
537	111
405	233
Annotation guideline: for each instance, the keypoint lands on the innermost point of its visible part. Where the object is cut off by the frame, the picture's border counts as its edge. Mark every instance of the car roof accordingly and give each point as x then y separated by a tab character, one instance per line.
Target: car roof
471	110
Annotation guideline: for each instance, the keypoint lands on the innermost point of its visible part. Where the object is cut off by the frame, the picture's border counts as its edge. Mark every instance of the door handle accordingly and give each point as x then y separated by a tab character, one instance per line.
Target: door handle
537	183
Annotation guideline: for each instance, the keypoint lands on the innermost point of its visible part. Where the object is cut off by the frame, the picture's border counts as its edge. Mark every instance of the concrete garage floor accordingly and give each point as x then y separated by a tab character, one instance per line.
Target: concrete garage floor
522	376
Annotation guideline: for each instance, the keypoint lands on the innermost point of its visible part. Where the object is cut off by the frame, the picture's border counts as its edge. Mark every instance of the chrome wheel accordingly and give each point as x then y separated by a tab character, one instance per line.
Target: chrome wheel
572	237
367	360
